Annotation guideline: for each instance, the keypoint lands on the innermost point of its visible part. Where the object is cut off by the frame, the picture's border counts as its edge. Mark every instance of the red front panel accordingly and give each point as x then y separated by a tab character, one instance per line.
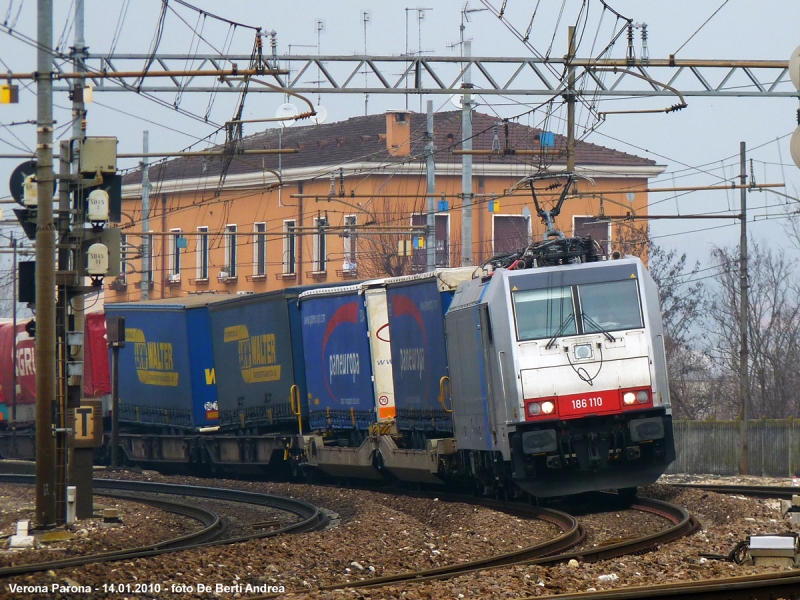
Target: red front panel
600	402
596	402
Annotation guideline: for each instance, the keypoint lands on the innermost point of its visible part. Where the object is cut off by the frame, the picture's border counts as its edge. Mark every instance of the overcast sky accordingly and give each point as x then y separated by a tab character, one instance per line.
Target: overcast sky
697	146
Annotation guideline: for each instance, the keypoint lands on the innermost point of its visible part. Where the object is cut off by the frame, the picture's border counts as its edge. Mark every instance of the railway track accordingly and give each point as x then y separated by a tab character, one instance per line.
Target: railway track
769	586
545	553
758	491
310	518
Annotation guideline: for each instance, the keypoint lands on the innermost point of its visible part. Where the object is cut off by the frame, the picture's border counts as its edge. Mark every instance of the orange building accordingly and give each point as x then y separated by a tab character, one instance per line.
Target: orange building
344	205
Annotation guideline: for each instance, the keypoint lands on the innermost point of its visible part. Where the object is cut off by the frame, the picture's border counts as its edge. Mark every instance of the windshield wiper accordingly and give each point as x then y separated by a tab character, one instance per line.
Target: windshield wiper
559	331
596	325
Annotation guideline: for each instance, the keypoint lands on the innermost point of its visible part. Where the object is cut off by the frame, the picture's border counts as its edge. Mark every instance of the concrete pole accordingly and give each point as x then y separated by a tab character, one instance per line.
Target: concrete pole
14	354
45	273
571	103
78	133
430	166
62	326
78	57
76	476
146	250
466	162
743	301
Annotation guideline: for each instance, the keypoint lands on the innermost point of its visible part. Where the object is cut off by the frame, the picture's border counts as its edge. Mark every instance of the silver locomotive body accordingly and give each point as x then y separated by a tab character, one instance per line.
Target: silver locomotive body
559	378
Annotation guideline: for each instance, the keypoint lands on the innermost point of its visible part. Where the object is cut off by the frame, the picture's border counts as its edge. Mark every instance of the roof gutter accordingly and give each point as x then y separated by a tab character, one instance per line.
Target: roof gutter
260	180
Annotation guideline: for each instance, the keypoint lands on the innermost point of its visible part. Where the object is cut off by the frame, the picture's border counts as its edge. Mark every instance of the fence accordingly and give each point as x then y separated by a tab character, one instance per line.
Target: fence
713	447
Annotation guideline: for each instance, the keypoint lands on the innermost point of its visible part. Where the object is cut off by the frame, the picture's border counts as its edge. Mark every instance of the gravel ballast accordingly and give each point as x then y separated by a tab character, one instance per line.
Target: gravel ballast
379	533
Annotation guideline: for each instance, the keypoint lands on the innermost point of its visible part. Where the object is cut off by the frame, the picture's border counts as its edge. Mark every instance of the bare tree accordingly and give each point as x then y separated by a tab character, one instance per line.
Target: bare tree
378	254
630	239
773	331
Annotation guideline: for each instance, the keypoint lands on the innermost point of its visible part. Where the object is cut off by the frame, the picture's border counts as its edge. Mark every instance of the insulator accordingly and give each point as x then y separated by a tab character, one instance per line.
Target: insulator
645	50
631	55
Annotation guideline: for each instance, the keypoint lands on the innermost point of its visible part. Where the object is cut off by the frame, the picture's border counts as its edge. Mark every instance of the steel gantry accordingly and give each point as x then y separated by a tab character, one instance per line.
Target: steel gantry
492	76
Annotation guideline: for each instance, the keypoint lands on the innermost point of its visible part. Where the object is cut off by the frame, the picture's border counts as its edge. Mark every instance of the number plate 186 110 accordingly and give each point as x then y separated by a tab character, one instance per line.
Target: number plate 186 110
594	402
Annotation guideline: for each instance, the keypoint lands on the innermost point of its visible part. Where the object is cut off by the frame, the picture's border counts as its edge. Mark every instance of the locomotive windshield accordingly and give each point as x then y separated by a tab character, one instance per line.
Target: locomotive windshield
548	313
544	313
612	305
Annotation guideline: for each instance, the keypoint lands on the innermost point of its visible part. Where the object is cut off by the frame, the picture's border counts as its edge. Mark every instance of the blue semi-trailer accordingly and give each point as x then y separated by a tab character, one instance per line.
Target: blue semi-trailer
338	361
166	369
258	350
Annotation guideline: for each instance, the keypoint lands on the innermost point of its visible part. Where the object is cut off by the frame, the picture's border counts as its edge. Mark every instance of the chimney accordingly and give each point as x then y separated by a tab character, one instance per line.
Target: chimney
398	132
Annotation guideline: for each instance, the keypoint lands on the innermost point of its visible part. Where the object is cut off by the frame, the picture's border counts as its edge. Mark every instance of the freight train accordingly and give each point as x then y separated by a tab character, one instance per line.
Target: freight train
541	372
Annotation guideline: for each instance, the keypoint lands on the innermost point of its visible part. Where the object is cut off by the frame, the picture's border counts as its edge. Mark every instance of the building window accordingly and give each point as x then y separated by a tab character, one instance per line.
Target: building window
230	250
419	256
289	247
350	243
176	243
260	244
600	231
320	245
510	233
202	253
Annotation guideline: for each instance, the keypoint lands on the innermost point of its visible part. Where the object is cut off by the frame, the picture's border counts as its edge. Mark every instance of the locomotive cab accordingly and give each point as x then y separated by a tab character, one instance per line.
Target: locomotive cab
560	375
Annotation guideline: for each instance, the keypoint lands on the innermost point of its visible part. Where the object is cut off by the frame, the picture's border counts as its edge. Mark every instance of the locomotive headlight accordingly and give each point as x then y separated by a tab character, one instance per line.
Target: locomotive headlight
548	407
534	409
642	396
629	398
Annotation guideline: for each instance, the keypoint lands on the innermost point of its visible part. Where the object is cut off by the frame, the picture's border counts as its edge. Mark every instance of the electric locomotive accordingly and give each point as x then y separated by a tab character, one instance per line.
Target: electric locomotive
559	378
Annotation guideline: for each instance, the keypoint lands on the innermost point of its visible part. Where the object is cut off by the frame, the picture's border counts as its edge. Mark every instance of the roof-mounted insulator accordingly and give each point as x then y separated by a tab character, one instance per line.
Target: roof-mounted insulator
496	139
631	58
645	50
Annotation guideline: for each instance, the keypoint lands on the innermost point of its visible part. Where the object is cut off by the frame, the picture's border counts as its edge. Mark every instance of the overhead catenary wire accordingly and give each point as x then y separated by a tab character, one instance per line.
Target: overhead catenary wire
699	28
123	13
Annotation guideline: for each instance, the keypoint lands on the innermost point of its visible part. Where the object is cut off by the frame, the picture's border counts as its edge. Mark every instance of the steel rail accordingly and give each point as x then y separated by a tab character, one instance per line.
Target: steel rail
311	518
767	586
759	491
212	527
573	533
683	524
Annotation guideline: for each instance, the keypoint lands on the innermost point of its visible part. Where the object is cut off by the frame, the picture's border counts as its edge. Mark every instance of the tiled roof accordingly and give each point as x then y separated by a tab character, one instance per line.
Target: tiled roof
363	139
